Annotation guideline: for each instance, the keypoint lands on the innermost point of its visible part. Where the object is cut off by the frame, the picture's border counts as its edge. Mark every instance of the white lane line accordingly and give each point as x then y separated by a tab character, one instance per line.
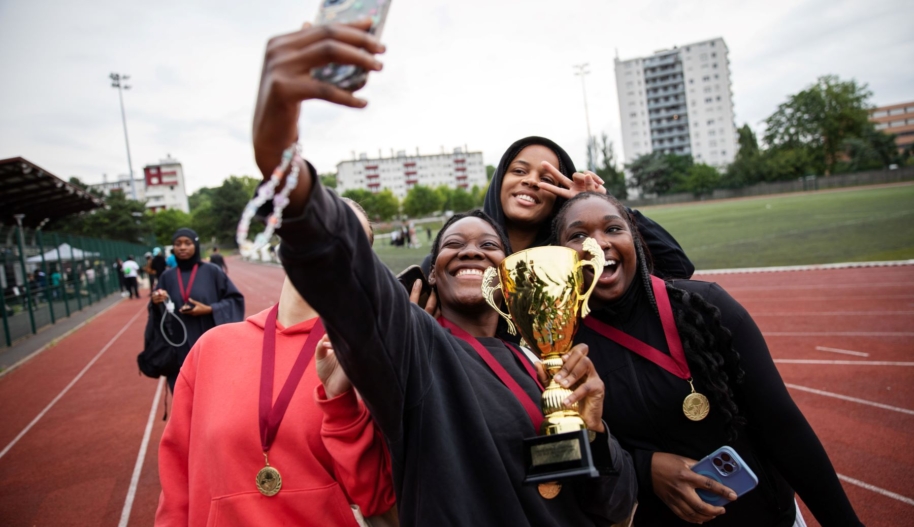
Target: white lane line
75	379
135	479
845	352
851	399
838	333
876	489
844	362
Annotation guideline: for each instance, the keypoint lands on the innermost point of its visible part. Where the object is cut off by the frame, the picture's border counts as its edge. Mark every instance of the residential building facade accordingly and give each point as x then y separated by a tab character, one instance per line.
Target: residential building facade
401	172
121	184
165	187
896	119
678	101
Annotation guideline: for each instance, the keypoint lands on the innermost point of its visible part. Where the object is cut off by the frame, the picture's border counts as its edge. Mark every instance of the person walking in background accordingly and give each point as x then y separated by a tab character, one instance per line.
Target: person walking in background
171	262
158	264
131	272
216	259
147	268
55	282
119	271
203	295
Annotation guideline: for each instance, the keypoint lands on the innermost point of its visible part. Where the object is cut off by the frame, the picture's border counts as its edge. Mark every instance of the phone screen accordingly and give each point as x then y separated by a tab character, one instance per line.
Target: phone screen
342	12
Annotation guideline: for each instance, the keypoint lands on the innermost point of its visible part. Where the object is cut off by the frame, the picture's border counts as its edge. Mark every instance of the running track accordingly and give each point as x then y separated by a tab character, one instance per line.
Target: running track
85	411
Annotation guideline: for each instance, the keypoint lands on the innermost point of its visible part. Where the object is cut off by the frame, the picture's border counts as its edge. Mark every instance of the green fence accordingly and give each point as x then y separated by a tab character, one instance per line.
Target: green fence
46	276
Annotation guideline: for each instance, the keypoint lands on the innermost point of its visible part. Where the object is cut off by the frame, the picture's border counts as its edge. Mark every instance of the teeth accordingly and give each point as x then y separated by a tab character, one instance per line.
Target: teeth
524	197
476	272
610	263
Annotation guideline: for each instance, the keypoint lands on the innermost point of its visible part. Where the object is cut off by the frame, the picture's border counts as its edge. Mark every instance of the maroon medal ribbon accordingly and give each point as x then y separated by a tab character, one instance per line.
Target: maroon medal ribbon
271	414
675	362
185	295
532	408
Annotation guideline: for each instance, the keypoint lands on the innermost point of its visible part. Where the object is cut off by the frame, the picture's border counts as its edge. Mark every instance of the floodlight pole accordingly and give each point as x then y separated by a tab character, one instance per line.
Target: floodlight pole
116	79
581	71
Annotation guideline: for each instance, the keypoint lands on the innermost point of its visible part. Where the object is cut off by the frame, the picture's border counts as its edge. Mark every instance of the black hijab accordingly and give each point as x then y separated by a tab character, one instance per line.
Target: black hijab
492	204
187	265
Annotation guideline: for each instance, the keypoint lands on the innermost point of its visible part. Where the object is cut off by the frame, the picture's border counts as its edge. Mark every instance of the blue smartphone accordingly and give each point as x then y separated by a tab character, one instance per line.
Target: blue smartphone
726	467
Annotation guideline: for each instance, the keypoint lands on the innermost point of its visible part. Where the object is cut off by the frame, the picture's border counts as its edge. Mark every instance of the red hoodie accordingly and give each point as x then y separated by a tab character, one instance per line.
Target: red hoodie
329	453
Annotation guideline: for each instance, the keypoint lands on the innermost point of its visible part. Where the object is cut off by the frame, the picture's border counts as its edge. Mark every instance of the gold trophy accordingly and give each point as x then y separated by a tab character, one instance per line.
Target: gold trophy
543	289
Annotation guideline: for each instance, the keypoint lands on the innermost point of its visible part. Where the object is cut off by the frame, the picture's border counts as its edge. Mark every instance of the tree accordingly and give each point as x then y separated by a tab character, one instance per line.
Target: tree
358	195
445	193
820	119
658	173
166	222
613	178
490	171
479	195
226	205
461	200
747	167
328	180
120	219
702	179
421	201
382	206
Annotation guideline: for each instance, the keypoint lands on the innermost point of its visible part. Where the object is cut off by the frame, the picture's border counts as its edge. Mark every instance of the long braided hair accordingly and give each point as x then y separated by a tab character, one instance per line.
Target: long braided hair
708	346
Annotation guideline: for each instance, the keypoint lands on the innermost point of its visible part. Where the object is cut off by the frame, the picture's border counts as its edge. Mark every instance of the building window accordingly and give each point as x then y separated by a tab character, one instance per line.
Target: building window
896	111
707	100
895	124
718	97
706	78
703	56
714	65
710	122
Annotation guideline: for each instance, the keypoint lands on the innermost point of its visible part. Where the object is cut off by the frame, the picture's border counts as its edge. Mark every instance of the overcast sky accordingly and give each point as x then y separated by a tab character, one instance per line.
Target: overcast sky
480	73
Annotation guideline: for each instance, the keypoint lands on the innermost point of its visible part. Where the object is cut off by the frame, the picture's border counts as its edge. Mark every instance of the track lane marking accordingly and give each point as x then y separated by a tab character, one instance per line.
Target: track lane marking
74	381
845	352
876	489
851	399
138	468
844	362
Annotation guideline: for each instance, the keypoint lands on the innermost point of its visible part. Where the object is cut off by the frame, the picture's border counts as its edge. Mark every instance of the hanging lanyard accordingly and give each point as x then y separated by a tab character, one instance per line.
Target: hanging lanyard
531	407
271	414
675	362
185	295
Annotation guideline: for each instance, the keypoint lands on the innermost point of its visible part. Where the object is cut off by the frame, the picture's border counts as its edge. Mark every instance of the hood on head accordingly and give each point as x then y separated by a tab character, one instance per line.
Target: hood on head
187	233
492	204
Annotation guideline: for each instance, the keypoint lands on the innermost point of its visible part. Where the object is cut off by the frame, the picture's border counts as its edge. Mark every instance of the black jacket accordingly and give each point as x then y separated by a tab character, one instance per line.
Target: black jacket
454	430
643	407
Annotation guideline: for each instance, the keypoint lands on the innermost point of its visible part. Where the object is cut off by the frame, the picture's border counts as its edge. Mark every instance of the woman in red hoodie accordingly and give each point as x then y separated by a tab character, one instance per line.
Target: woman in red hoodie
224	459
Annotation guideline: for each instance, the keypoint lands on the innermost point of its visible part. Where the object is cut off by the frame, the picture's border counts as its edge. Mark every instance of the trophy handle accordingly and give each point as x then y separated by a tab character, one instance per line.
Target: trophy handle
488	293
597	262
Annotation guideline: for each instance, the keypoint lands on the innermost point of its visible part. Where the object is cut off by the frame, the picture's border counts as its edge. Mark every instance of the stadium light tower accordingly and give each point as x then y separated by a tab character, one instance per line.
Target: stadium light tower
582	71
118	81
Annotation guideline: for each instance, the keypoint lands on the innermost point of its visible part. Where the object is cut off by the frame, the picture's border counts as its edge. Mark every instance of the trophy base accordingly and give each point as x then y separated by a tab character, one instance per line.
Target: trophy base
559	456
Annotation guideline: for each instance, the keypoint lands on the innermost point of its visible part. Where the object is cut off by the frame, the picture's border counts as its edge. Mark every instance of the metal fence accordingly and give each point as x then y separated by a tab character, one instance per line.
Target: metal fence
873	177
46	276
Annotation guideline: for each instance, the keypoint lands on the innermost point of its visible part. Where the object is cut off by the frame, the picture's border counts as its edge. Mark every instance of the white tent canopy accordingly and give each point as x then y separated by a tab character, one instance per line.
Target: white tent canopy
67	252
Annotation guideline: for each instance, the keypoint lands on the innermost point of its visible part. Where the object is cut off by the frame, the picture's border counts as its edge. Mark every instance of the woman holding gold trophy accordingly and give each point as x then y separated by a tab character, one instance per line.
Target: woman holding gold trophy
687	371
454	402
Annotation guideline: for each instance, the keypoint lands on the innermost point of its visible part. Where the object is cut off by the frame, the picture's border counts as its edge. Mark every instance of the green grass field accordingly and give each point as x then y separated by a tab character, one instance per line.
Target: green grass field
854	225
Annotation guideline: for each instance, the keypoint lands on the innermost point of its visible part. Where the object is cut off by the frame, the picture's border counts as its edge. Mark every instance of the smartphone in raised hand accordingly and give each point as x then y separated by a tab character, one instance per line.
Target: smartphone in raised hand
344	76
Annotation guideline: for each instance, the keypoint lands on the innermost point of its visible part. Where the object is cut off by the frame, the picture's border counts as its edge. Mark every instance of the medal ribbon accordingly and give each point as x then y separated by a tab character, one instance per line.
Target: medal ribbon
185	295
532	408
675	362
271	414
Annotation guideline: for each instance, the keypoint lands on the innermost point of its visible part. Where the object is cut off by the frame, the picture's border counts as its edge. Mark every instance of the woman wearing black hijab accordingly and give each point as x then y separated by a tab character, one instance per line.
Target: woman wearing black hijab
203	295
525	194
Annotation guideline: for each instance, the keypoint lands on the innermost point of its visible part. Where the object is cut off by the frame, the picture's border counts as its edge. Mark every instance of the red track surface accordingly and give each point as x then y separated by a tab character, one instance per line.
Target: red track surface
74	466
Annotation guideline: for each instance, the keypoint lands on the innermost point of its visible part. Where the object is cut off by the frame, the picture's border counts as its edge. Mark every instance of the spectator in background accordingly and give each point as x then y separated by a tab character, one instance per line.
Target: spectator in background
158	264
147	268
171	262
131	271
119	271
216	259
55	281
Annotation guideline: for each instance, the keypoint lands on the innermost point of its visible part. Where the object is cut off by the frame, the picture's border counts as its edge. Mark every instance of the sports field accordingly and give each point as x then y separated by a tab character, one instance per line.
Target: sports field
848	225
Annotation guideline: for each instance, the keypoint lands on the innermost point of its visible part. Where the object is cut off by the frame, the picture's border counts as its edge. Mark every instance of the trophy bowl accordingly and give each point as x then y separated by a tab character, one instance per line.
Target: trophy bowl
545	296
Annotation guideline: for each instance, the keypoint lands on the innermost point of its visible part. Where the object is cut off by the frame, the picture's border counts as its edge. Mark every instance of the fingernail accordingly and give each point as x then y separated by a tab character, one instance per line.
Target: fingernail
558	377
732	495
362	103
565	382
567	402
378	65
382	48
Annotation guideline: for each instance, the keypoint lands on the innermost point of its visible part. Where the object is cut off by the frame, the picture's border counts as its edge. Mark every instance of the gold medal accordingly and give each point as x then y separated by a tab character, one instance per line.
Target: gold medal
695	406
268	479
550	490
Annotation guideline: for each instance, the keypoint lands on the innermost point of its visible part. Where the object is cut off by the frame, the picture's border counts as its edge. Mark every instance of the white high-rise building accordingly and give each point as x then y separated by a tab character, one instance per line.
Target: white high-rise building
460	169
678	101
165	186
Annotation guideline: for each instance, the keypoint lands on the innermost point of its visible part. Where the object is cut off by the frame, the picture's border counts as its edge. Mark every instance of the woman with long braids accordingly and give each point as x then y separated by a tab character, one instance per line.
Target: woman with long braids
657	344
453	401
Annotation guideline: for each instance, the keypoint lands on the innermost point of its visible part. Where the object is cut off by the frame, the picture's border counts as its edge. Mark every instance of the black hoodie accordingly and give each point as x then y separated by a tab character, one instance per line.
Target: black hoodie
669	259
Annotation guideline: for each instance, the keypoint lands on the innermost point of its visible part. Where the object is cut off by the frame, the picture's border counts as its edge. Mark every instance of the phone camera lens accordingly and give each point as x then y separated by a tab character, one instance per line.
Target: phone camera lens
725	456
718	462
728	468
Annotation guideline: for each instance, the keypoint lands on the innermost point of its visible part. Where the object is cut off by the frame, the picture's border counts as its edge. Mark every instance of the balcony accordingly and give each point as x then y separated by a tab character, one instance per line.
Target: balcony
656	73
372	176
371	167
674	101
